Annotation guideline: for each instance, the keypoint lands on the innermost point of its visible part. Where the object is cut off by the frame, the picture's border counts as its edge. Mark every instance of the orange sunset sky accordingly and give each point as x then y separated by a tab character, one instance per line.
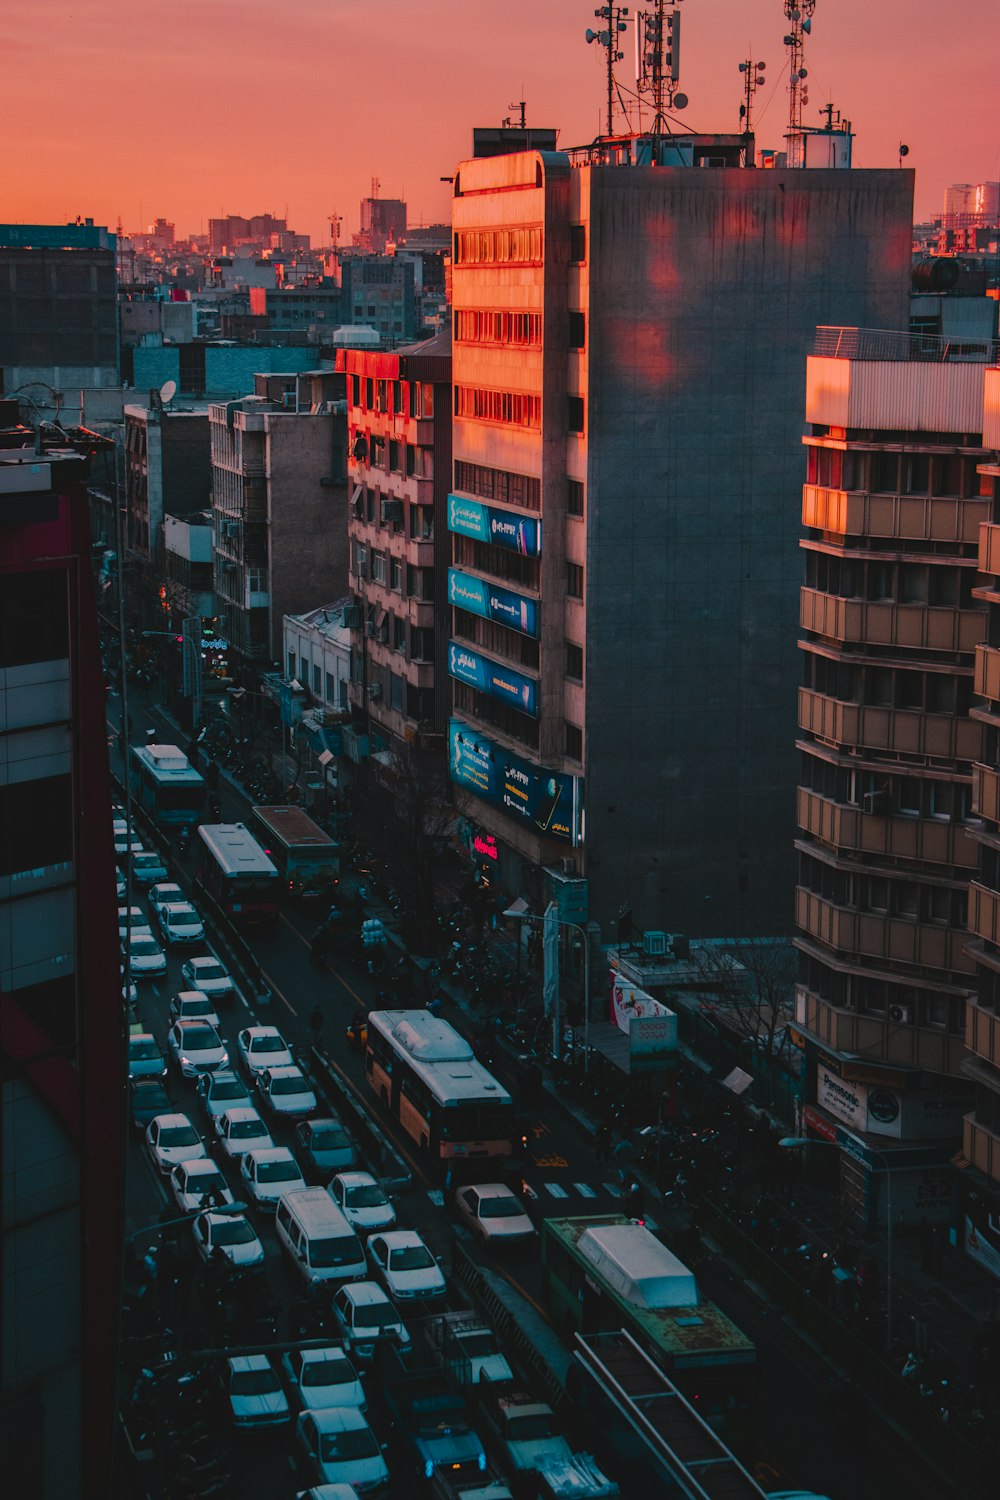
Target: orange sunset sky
195	108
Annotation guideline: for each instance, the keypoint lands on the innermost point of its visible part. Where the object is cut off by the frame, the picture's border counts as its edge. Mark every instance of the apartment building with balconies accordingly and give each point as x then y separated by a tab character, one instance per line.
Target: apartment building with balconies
891	617
628	346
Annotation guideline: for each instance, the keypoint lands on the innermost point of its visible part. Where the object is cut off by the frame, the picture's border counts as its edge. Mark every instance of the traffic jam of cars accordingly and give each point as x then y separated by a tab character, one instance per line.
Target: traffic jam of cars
340	1348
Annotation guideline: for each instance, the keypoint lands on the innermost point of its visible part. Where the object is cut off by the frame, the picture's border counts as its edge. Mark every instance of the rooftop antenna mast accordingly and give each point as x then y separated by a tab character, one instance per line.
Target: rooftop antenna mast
658	65
800	13
753	77
616	20
519	105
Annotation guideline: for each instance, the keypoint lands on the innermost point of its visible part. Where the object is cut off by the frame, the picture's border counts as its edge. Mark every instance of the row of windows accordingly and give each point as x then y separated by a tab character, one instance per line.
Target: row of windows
479	326
415	583
401	398
889	795
498	562
515	408
501	716
376	509
908	900
893	473
902	1004
522	490
391	630
498	247
888	687
324	684
510	645
939	584
393	456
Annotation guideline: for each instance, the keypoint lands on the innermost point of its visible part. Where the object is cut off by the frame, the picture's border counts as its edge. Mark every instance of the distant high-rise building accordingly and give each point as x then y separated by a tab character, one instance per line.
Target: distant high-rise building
382	220
58	312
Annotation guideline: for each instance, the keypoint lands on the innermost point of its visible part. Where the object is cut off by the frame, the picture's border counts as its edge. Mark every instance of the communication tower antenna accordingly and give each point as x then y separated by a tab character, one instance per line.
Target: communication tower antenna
615	18
520	106
753	77
335	222
800	14
658	64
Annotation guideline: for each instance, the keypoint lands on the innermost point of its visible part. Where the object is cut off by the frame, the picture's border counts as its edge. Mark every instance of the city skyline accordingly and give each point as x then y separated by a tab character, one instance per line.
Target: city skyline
199	121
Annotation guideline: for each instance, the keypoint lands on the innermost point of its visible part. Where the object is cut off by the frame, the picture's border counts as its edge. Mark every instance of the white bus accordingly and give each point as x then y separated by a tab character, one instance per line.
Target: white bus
166	785
428	1077
236	873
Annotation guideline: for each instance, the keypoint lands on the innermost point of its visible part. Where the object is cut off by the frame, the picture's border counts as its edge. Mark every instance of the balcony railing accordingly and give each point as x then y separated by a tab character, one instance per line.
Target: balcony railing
923	518
889	344
984	912
982	1033
929	840
986	678
902	731
986	793
890	939
878	623
876	1039
989	550
981	1147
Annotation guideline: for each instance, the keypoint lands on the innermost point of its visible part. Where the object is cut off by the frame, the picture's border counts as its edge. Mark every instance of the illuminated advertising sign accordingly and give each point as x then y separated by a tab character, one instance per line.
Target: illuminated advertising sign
492	603
502	528
493	678
547	800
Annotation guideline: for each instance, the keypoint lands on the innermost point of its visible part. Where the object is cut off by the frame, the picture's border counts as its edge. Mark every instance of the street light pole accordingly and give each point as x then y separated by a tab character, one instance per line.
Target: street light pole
526	916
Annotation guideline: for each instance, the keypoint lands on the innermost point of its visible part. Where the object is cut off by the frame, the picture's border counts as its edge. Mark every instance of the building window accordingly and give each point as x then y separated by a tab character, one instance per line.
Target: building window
398	633
577	330
397	693
355	390
422	522
304	671
291	665
577	243
421	643
370	506
512	408
574	661
574	581
498	247
395	463
36	824
330	696
483	326
574	742
574	497
378	567
395	574
317	680
574	413
360	560
34	618
522	490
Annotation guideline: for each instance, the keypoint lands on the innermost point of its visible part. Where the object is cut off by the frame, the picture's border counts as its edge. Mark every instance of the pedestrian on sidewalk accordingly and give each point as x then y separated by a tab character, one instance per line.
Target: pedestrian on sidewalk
623	1156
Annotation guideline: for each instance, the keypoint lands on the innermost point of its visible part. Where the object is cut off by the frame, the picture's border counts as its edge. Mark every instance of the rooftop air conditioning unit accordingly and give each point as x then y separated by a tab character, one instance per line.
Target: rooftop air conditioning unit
375	692
654	944
874	802
900	1014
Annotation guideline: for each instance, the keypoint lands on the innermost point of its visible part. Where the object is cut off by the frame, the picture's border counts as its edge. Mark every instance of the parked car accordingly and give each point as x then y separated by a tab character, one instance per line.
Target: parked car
253	1392
268	1172
180	923
233	1235
146	959
365	1206
126	841
172	1139
220	1091
366	1317
207	974
242	1129
323	1377
145	1060
285	1092
148	868
147	1098
135	919
192	1182
192	1005
494	1214
196	1047
337	1445
405	1266
323	1146
263	1047
120	885
163	893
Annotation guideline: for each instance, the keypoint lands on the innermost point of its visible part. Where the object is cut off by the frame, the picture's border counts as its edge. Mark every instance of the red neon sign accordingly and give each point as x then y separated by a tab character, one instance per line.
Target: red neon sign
485	843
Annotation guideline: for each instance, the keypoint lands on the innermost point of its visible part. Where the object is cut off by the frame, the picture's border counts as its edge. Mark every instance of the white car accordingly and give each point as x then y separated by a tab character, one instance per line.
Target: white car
120	885
180	923
191	1182
220	1091
286	1092
172	1139
134	918
147	867
242	1129
405	1266
208	975
164	893
146	959
338	1446
253	1392
126	842
366	1317
362	1201
196	1047
495	1214
268	1172
263	1047
323	1377
192	1005
230	1233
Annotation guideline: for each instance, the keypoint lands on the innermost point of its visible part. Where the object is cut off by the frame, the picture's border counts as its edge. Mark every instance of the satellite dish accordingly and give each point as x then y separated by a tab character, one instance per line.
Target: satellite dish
591	35
807	26
904	150
168	390
680	101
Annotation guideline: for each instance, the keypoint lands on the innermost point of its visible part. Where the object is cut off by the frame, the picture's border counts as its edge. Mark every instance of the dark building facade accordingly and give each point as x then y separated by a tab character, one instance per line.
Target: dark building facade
58	306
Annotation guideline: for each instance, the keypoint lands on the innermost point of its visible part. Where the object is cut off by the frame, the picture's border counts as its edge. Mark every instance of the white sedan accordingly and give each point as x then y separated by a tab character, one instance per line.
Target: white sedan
263	1047
120	885
135	919
164	893
495	1214
405	1266
192	1005
126	842
268	1172
241	1129
220	1091
230	1233
323	1377
208	975
286	1092
337	1444
180	923
196	1047
172	1139
362	1202
191	1182
146	959
253	1392
148	868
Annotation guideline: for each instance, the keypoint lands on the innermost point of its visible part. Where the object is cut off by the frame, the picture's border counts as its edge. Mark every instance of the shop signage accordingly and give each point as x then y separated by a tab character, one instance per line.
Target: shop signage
982	1240
848	1101
491	602
501	528
493	678
814	1121
485	845
547	800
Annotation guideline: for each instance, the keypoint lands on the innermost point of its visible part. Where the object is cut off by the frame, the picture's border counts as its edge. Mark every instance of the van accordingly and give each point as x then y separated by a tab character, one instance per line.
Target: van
318	1239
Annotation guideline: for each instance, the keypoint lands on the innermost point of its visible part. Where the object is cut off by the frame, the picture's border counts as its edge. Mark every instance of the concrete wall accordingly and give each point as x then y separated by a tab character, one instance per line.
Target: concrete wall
307	521
704	291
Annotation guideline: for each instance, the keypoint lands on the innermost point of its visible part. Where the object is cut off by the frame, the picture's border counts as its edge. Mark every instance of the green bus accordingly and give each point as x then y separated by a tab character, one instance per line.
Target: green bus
607	1272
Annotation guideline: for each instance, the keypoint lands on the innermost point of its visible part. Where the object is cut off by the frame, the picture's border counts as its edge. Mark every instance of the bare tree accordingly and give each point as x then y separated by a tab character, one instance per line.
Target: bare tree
753	980
424	817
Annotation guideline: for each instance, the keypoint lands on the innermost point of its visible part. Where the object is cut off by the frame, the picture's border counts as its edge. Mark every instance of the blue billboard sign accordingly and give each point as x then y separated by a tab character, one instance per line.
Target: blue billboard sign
492	603
501	528
492	677
547	800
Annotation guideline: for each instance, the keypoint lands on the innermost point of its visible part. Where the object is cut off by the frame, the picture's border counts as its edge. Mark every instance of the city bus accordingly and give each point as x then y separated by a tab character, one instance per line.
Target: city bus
166	785
429	1079
607	1272
236	873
